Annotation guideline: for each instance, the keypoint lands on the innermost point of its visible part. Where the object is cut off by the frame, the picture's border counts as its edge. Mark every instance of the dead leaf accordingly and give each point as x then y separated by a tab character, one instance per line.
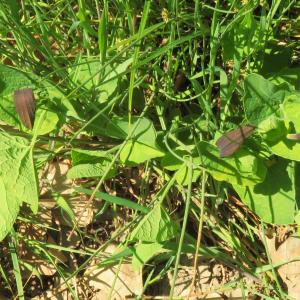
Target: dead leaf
56	176
211	279
290	272
124	282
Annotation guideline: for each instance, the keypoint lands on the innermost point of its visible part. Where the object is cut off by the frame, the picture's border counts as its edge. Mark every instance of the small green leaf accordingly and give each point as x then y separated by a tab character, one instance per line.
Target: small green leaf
172	163
116	200
91	170
156	226
136	152
182	175
47	123
64	205
102	32
81	156
117	127
143	253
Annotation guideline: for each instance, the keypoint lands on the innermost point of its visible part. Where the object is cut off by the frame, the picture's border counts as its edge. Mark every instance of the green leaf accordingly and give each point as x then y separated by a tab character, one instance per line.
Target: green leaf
12	80
182	175
48	121
17	180
287	75
135	152
92	170
289	149
156	226
102	32
241	39
172	163
142	146
65	206
111	79
274	199
87	73
241	168
60	101
291	109
90	163
262	98
81	156
144	252
116	200
117	127
272	129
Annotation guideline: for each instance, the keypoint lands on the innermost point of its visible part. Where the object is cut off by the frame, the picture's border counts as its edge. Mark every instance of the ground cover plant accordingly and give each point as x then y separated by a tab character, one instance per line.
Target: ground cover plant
157	136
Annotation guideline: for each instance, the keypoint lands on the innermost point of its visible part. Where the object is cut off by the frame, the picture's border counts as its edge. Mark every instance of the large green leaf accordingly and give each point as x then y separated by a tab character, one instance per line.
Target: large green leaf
286	148
273	199
60	101
262	98
291	109
86	72
142	144
241	168
117	127
17	180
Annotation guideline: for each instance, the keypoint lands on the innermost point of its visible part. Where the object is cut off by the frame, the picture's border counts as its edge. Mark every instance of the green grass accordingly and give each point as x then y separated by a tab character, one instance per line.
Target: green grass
103	74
